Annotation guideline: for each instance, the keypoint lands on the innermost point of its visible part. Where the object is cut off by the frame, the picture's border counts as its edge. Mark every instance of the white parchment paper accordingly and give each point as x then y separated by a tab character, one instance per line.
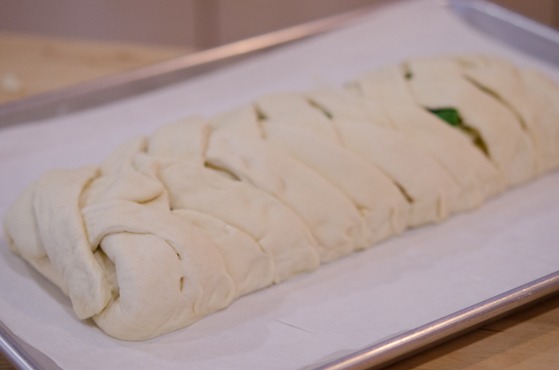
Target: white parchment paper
344	306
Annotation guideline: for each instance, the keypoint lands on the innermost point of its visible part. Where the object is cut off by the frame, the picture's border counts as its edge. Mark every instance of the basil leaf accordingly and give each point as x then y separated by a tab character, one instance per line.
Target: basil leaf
449	115
453	118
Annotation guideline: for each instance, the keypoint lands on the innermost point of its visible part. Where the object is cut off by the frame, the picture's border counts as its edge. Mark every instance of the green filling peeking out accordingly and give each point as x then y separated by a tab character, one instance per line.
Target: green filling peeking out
449	115
453	118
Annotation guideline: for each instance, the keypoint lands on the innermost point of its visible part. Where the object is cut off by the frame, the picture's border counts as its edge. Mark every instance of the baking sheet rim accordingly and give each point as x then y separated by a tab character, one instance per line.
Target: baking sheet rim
414	341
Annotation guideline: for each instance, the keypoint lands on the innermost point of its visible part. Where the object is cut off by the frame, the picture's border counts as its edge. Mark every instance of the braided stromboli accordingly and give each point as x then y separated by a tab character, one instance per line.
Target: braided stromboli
178	225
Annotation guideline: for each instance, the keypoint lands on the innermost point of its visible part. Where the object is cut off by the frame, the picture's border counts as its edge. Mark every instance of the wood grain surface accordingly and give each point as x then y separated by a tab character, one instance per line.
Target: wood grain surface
526	340
4	363
32	64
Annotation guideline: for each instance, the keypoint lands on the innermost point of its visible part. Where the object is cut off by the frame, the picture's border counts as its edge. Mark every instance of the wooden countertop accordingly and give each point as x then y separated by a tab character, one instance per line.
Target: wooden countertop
526	340
31	64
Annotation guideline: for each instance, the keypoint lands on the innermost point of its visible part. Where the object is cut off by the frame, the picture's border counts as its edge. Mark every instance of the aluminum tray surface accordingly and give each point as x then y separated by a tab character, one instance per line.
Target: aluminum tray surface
363	310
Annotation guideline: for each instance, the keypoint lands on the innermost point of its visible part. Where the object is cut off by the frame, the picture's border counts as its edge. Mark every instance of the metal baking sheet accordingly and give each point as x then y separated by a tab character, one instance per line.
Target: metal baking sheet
414	341
510	27
381	352
22	355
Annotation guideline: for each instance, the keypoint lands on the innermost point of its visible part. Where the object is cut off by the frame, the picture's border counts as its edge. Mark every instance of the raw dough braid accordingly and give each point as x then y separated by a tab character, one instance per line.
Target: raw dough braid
176	226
